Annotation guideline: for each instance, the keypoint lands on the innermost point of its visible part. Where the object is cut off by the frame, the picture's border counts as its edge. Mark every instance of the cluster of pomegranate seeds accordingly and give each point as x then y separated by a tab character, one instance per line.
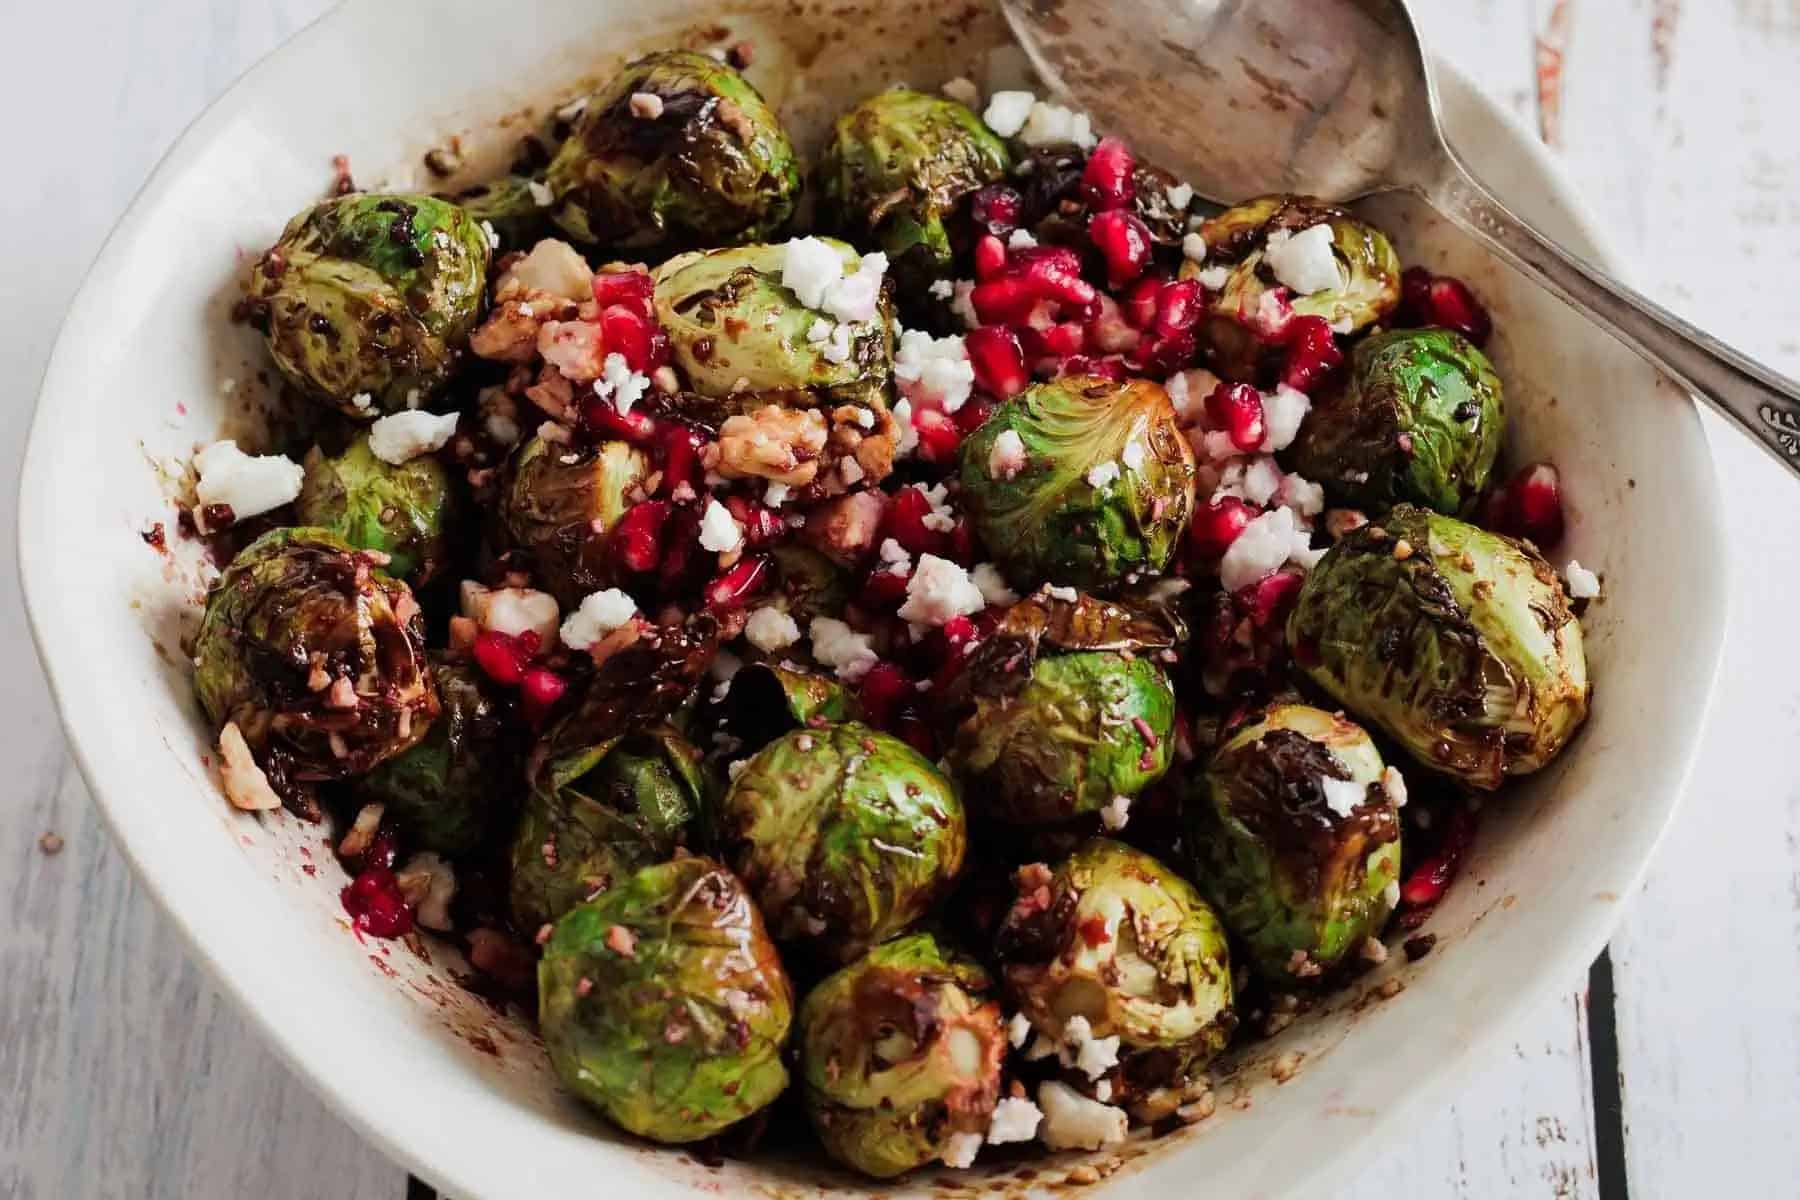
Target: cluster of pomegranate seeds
997	359
761	523
1428	882
737	585
678	450
539	690
939	436
1242	639
628	319
636	543
375	904
1427	299
881	693
602	422
1237	408
1529	506
1312	353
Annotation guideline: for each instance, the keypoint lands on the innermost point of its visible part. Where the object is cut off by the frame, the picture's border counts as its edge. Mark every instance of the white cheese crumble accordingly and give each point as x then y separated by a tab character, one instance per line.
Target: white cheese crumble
942	289
1101	476
808	268
552	266
1302	495
1394	784
429	884
1132	457
1583	583
837	346
1073	1122
894	556
1116	813
908	437
1259	550
1058	591
1054	125
961	306
646	106
600	613
1303	261
1255	478
1018	1028
1007	112
1283	411
1343	795
854	297
1180	195
986	576
938	591
1015	1119
1007	457
1021	239
1188	391
963	91
776	494
620	384
1214	279
1193	247
404	436
1092	1056
771	630
933	372
819	331
719	530
1390	895
491	234
841	648
941	519
960	1150
250	484
541	195
512	611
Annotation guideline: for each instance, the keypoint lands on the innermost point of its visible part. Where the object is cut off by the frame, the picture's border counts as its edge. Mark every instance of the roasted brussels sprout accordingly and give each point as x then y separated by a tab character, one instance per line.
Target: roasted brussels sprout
1061	710
403	511
1457	642
678	150
1115	938
652	681
767	700
813	584
511	206
1419	420
895	168
367	299
596	815
846	836
1105	491
318	657
901	1053
740	336
455	787
1239	239
663	1004
560	503
1295	836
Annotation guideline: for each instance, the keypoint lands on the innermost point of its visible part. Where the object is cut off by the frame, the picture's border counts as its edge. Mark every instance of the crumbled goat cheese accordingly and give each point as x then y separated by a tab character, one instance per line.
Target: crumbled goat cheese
1054	125
1343	795
1302	495
841	648
1020	239
646	106
600	613
512	611
1181	195
1116	813
429	884
1007	112
907	437
1102	475
1303	261
1018	1028
620	384
719	530
1259	550
552	266
896	556
491	234
837	346
1188	391
1343	326
245	784
1390	895
1255	478
541	195
933	372
1073	1122
771	630
986	576
1214	279
250	484
960	1150
362	401
1007	458
1015	1119
819	331
853	298
963	91
1060	592
1132	456
941	518
1583	583
808	268
939	590
776	494
1086	1053
1193	247
404	436
1283	411
1394	784
962	307
942	289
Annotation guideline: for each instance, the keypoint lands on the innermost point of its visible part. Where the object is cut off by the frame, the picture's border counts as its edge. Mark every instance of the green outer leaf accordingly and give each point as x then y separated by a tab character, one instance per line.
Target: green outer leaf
1420	420
885	1116
562	511
846	828
402	511
1465	652
1048	523
1287	872
684	1036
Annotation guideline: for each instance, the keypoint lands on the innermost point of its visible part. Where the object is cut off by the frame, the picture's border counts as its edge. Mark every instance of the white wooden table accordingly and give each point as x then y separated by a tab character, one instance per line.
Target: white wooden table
1670	1072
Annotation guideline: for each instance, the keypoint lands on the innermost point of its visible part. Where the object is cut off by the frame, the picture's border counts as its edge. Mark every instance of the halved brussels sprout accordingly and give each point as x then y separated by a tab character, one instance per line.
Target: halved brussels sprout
663	1004
895	168
1419	420
451	790
845	835
739	336
677	150
1106	489
367	299
560	503
1368	286
1061	710
318	656
403	511
1457	642
767	700
1296	839
1114	937
596	815
813	584
900	1052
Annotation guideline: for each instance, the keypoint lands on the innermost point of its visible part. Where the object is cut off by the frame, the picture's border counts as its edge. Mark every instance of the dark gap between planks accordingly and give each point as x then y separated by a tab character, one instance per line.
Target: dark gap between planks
1603	1056
418	1189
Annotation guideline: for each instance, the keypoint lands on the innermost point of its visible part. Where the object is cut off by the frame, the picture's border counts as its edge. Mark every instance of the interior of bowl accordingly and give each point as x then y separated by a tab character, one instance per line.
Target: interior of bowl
149	366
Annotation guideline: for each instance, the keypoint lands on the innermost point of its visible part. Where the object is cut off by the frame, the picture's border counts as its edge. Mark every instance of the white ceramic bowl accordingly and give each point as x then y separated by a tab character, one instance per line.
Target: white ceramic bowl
462	1095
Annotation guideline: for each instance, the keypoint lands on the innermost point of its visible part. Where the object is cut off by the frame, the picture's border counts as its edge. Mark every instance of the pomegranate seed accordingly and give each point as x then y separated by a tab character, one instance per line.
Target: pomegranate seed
636	427
501	657
1107	181
1454	306
1087	364
963	548
1529	506
1422	890
1415	297
973	414
881	693
539	691
1237	409
911	728
990	258
1267	601
939	438
1108	332
680	448
996	208
1177	307
1055	271
1312	353
998	360
740	583
382	851
1217	524
637	540
1141	300
883	591
1166	355
1004	300
1124	241
374	903
627	332
761	523
905	523
682	558
634	289
1064	339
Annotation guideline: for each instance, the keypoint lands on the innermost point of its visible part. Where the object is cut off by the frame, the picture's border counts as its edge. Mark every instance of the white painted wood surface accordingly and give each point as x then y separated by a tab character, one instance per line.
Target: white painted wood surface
124	1074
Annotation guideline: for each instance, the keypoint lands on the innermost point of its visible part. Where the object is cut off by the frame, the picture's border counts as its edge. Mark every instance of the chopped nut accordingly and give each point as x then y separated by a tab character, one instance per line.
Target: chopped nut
1199	1110
1403	550
245	784
362	831
775	443
621	941
1387	989
1373	951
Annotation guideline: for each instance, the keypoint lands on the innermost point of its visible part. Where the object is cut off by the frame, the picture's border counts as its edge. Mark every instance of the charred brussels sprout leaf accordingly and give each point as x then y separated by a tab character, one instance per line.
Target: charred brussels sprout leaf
1296	840
895	168
1106	490
663	1004
844	835
766	701
738	335
560	503
371	296
402	511
1460	644
653	680
678	150
318	656
900	1051
451	790
1116	938
596	815
1420	420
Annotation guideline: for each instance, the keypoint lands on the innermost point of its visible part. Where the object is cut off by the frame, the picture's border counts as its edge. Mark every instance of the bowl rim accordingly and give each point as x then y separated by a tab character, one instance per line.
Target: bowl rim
215	940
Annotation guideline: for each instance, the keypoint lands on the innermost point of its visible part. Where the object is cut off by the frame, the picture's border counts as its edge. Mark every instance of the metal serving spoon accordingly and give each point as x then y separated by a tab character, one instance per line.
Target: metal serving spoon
1336	98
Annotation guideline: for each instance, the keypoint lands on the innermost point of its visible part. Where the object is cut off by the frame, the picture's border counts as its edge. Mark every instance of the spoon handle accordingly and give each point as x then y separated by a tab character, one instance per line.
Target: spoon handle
1763	403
